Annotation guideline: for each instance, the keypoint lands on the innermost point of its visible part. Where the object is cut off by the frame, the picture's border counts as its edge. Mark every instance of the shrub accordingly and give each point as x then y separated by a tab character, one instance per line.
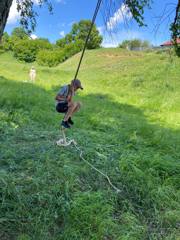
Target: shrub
73	48
50	58
134	43
26	50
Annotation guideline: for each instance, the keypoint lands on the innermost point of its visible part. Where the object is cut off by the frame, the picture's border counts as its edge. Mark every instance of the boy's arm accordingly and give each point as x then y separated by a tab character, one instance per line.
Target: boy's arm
69	98
59	98
70	95
62	98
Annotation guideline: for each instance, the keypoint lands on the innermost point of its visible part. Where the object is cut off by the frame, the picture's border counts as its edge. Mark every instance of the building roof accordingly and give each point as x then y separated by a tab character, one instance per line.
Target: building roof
170	43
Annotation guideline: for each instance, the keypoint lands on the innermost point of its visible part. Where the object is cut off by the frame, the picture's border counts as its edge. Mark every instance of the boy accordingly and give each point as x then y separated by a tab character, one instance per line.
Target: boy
64	103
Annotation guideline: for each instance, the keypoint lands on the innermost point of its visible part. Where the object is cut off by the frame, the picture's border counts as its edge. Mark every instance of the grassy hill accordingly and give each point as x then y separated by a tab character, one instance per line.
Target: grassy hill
128	128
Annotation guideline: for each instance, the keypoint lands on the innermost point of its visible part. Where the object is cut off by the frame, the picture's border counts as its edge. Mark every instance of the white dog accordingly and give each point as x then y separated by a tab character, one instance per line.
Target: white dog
32	74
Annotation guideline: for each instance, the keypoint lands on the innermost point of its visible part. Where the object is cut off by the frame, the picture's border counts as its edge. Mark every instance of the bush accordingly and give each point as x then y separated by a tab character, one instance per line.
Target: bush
6	43
50	58
134	43
73	48
26	50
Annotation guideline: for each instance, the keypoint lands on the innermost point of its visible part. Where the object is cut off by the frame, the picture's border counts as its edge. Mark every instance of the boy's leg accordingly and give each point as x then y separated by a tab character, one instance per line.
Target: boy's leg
72	108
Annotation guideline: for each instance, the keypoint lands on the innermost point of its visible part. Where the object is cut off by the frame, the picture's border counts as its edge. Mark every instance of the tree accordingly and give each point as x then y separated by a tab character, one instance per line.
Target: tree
146	44
79	32
19	33
6	42
64	41
135	43
125	44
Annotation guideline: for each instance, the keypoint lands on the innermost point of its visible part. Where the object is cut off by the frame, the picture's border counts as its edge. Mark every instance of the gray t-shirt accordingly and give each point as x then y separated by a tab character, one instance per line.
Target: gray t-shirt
63	92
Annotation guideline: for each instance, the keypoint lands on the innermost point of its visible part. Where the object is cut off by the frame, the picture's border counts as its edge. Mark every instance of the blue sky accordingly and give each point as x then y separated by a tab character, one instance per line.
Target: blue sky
66	12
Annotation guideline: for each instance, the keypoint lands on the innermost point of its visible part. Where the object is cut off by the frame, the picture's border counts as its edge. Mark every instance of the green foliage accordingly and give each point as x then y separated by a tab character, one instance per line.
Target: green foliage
54	57
137	9
28	13
50	58
80	30
133	44
19	33
128	128
68	39
26	50
73	48
6	42
79	33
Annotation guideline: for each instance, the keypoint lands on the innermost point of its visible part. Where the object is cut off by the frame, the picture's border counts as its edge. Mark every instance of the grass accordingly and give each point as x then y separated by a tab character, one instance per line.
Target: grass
128	127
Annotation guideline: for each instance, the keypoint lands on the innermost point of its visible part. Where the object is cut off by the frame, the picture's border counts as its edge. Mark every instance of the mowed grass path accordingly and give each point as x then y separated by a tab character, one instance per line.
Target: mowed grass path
128	127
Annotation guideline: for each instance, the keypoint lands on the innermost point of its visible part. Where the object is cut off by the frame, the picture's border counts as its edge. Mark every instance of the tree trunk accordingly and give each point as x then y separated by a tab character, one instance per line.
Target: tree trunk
4	13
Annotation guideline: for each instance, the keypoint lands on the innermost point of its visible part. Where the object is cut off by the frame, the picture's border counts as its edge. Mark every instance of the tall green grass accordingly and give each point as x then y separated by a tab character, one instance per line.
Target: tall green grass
128	127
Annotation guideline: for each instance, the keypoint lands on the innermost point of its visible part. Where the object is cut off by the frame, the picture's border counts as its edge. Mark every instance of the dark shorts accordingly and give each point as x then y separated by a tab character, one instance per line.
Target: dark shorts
62	107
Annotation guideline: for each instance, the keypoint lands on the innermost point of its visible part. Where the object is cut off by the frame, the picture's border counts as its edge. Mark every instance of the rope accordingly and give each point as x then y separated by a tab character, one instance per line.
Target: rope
87	38
97	170
63	142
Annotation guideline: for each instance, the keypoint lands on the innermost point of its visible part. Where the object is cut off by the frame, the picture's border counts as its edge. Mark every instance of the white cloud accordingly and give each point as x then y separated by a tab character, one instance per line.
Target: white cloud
13	14
101	29
119	16
33	36
62	33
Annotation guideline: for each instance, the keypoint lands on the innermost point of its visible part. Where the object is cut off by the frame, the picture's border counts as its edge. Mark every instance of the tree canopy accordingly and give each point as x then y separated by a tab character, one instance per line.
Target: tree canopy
79	33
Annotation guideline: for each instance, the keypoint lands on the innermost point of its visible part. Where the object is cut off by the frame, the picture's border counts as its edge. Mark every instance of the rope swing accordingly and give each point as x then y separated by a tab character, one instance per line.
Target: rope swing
63	142
67	142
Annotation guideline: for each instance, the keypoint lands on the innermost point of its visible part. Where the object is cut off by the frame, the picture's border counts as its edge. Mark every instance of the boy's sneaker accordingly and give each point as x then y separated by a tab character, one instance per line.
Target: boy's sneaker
70	121
65	124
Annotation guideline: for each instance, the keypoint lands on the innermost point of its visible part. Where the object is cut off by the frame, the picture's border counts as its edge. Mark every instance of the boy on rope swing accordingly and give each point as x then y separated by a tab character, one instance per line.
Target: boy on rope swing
64	103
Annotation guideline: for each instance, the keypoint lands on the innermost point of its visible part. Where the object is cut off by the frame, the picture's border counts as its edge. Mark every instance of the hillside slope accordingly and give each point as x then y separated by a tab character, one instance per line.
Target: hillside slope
128	127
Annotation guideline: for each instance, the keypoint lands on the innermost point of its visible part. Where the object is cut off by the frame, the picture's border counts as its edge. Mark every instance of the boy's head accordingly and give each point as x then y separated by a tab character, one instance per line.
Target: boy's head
77	84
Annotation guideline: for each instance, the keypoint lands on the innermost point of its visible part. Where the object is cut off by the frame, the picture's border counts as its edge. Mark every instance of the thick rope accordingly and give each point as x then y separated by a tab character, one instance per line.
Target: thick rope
63	142
87	38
